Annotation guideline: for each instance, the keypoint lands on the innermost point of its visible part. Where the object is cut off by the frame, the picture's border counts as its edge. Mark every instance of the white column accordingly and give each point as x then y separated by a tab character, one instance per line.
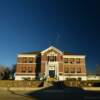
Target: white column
57	70
46	73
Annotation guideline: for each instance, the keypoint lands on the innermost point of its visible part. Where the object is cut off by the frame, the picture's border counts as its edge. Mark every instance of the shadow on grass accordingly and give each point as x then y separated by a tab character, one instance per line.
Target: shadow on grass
60	92
14	93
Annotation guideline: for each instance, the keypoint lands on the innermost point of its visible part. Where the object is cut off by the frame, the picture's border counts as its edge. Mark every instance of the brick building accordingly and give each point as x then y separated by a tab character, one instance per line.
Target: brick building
50	63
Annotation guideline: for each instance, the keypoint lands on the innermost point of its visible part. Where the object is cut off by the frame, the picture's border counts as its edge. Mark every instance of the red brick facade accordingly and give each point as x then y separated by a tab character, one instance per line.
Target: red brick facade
50	61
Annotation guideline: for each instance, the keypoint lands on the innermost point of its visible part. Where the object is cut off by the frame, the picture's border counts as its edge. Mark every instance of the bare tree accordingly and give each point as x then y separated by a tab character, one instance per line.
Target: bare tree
12	71
4	72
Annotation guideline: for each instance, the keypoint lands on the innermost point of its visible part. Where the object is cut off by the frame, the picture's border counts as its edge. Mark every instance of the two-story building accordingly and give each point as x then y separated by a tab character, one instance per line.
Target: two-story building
50	63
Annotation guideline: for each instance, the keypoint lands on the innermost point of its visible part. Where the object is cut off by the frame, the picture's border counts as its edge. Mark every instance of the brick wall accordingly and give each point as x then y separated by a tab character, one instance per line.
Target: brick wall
26	65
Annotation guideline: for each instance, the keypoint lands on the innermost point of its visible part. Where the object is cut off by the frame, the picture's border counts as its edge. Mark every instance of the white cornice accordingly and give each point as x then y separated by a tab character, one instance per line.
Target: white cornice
74	56
26	55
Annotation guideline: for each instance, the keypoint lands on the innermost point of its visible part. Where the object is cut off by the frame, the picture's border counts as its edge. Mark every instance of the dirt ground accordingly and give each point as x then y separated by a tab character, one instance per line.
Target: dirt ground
9	95
50	93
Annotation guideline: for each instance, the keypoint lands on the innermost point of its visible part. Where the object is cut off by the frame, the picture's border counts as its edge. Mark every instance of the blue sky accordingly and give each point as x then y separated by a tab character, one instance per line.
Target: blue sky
28	25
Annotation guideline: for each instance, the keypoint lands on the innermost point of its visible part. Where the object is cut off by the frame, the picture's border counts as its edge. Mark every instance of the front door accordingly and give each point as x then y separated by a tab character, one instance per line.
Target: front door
52	70
52	73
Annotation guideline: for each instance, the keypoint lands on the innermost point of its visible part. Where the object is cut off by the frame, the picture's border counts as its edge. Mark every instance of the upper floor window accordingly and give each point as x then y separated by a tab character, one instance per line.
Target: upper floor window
30	60
25	60
51	58
71	60
18	60
78	60
61	57
66	60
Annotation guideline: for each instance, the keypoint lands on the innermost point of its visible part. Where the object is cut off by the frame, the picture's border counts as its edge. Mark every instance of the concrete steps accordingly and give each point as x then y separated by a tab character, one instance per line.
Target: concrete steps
47	84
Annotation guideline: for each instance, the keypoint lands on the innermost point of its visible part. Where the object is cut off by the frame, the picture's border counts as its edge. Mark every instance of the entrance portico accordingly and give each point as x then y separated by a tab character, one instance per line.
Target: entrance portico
53	57
52	70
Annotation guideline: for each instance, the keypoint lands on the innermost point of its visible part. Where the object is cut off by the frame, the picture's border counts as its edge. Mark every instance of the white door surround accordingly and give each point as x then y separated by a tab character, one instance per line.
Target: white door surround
51	66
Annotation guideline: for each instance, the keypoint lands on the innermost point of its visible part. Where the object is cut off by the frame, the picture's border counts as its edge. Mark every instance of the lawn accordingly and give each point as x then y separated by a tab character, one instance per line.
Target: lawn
8	95
56	92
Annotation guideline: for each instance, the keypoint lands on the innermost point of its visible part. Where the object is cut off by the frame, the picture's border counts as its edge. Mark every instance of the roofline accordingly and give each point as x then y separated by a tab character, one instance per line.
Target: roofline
26	55
51	47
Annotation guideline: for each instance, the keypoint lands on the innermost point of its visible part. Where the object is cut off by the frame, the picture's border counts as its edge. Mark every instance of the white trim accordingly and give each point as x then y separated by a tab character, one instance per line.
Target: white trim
26	55
74	74
56	69
75	64
82	77
93	77
74	56
19	77
51	47
52	53
24	73
27	63
53	61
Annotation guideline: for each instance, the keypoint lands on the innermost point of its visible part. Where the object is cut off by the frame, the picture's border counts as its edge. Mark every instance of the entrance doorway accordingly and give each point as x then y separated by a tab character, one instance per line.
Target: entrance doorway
52	73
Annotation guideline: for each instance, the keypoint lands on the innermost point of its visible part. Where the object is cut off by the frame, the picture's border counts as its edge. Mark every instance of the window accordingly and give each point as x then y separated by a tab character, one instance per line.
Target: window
78	70
29	69
72	60
60	73
30	60
51	58
72	70
18	60
78	60
61	57
24	60
48	58
67	70
55	58
66	60
23	70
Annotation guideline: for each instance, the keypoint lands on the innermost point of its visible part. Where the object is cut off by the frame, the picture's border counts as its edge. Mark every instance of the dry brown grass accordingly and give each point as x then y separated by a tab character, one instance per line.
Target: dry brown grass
13	83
